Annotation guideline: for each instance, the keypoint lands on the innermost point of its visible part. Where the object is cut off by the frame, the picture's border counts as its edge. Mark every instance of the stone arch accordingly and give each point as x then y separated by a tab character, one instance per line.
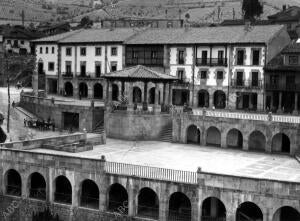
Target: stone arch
203	98
234	139
89	194
83	90
62	190
37	186
249	210
13	183
219	99
286	213
148	203
68	89
136	95
193	134
115	92
257	141
98	91
213	137
213	209
179	207
117	198
281	143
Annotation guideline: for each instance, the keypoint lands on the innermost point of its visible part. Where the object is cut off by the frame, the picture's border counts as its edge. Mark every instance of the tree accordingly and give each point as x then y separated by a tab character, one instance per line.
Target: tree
252	9
86	22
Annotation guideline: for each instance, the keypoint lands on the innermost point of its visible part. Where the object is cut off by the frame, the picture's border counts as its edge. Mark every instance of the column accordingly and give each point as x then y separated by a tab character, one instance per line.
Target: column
130	95
170	94
145	92
164	94
167	90
223	140
191	98
280	103
156	105
35	83
296	104
131	203
163	208
211	100
109	92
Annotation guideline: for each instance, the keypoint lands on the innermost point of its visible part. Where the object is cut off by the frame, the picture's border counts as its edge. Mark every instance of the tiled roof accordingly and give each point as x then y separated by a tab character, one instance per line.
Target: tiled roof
290	14
139	72
91	35
221	34
292	48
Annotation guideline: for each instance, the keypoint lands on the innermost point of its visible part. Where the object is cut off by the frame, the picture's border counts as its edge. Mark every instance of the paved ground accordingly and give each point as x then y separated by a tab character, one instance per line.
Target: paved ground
17	128
190	157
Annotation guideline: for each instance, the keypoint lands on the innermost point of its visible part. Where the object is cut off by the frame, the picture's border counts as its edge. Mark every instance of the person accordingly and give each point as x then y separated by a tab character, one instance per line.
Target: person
13	104
53	126
3	136
25	122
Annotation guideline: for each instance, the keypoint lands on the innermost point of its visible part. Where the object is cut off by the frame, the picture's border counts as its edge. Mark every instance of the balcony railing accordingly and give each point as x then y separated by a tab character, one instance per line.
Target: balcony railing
243	84
67	74
211	62
282	87
144	61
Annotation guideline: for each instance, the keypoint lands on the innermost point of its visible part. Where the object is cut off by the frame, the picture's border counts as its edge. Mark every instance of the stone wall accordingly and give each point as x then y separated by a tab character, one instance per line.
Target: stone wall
130	126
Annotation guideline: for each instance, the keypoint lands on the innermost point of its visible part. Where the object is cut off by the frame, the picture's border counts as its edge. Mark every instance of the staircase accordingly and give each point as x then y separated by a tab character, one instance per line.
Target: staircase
297	156
99	128
166	134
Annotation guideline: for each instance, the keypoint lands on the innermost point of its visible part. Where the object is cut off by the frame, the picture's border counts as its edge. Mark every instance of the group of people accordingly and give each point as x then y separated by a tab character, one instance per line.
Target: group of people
41	124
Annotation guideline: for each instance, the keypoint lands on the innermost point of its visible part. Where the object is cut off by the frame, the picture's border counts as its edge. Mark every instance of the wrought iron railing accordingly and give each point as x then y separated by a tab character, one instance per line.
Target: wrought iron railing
246	84
211	61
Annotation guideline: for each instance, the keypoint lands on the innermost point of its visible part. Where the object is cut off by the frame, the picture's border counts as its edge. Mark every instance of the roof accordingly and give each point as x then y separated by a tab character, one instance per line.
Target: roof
91	36
242	22
294	47
18	32
139	72
208	35
290	14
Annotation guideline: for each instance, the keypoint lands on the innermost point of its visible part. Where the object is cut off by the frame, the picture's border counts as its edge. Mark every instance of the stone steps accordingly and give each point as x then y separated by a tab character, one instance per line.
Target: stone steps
166	134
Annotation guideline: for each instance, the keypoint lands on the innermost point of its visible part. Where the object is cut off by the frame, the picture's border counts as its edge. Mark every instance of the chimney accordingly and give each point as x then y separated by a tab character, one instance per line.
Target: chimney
283	7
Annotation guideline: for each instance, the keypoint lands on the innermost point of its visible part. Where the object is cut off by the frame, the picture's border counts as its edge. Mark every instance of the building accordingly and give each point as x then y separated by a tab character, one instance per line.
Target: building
283	82
216	66
49	29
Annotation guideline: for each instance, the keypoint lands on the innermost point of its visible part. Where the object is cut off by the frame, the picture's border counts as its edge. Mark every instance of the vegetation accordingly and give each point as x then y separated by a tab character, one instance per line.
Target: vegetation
252	9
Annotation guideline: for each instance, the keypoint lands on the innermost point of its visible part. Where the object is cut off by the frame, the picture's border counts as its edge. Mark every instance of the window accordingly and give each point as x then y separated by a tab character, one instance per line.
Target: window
113	66
41	50
51	66
240	57
98	70
15	43
98	51
53	50
170	25
8	41
220	57
203	74
220	75
180	75
68	67
46	50
114	51
240	78
181	57
68	51
204	57
293	60
22	42
83	68
255	79
255	57
134	54
153	54
83	51
274	79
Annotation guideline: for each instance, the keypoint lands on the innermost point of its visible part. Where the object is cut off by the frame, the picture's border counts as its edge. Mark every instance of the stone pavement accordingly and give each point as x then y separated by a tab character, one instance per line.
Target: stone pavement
190	157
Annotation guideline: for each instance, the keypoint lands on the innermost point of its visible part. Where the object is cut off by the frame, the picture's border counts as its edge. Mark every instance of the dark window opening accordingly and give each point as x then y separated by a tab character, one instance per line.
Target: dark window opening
83	51
63	190
51	66
89	195
37	187
13	183
181	57
114	51
240	57
203	74
118	198
220	75
256	57
98	51
68	51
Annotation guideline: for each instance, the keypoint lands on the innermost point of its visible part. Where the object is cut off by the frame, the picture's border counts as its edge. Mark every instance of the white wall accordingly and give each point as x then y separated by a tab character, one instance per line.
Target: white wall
26	45
46	58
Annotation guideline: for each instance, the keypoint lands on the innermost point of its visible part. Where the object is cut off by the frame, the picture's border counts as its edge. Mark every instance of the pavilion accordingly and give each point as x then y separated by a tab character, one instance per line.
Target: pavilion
140	85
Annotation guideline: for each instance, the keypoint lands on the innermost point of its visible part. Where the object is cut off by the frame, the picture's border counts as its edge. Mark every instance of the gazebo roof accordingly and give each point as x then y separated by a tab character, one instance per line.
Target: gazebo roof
139	72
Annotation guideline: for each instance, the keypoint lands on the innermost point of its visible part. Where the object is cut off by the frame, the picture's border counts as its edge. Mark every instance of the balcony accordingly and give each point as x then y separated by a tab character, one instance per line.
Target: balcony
243	84
67	75
283	87
182	83
211	62
144	61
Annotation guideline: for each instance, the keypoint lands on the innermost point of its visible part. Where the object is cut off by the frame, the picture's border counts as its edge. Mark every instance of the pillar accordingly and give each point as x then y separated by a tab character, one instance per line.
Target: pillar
165	93
131	202
191	98
156	104
163	208
145	92
35	83
260	102
203	138
130	95
223	140
109	91
296	104
280	103
170	94
211	100
75	195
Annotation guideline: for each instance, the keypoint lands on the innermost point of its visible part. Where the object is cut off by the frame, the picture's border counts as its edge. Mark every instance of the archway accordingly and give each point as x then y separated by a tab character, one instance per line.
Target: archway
148	204
179	207
193	135
286	213
115	92
118	198
13	183
63	190
234	139
203	98
257	141
213	137
137	95
281	143
249	211
68	89
213	209
89	194
152	95
37	186
98	91
219	99
83	90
